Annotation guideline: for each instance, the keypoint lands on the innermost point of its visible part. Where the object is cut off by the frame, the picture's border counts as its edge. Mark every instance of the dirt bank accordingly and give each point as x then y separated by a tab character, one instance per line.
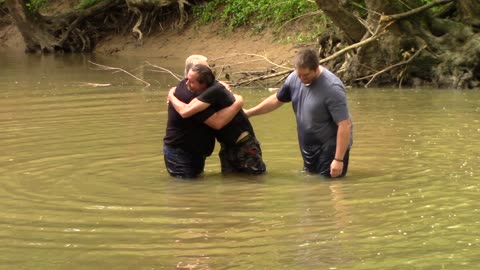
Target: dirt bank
237	47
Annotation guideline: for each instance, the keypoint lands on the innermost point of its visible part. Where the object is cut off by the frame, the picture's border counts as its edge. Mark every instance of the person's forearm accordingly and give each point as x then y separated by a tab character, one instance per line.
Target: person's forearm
224	116
269	104
187	110
343	138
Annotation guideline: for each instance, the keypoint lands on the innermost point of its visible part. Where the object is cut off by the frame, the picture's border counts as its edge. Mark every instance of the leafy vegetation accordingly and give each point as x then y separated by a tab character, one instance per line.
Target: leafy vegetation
87	3
259	14
34	5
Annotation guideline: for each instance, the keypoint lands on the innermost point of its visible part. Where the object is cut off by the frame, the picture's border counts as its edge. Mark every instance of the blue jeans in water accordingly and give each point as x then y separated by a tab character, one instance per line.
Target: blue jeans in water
182	164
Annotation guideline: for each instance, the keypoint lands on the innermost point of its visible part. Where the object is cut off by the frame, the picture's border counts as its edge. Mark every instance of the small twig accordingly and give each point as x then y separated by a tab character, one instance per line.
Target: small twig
298	17
252	54
176	76
115	69
95	84
238	63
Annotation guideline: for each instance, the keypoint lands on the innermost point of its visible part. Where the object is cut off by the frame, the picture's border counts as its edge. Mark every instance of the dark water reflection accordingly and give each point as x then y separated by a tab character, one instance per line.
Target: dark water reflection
83	184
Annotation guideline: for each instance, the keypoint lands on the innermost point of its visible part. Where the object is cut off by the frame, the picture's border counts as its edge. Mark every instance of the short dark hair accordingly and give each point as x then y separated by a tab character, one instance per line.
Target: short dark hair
307	58
205	74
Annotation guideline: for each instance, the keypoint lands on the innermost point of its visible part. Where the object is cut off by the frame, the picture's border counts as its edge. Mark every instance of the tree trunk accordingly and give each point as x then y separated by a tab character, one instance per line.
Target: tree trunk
420	47
70	32
343	18
30	26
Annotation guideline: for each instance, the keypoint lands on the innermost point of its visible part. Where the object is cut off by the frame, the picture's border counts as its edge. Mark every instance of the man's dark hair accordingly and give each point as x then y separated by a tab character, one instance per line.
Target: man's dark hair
307	58
205	74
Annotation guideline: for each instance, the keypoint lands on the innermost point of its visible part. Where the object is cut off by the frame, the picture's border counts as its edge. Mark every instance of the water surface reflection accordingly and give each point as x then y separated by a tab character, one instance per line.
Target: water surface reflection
83	184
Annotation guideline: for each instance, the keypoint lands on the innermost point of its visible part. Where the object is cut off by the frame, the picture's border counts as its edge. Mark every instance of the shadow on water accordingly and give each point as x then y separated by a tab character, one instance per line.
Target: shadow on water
83	183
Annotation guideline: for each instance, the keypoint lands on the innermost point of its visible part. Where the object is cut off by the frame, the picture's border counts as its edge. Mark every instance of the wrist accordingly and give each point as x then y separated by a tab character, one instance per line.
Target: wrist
338	159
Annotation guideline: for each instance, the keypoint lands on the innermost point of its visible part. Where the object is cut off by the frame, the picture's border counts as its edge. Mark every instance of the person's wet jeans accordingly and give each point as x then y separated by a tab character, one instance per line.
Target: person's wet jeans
320	160
243	157
182	164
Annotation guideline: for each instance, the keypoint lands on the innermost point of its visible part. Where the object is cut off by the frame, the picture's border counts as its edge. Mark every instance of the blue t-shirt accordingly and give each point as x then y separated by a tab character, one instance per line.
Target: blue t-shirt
317	107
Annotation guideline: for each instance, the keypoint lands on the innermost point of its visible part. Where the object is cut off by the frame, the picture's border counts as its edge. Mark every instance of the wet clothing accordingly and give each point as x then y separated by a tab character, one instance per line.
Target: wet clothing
190	136
317	107
182	164
244	157
241	157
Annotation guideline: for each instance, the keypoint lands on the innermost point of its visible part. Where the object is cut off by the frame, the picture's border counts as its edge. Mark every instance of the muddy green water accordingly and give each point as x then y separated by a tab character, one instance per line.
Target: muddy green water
83	183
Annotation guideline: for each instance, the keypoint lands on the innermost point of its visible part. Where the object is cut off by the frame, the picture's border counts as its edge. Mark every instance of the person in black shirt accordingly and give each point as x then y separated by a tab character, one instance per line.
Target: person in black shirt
240	152
188	141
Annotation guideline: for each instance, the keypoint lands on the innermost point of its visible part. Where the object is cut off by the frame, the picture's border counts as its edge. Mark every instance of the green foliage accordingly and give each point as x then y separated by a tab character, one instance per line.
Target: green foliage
35	5
87	3
256	14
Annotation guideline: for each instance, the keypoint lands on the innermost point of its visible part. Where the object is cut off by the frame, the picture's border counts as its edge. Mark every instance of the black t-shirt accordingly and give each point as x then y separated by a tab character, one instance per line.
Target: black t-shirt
189	134
219	97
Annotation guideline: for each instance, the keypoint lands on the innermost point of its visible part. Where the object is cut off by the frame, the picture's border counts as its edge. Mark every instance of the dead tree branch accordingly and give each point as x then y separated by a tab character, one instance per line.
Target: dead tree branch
176	76
373	76
381	29
387	18
103	67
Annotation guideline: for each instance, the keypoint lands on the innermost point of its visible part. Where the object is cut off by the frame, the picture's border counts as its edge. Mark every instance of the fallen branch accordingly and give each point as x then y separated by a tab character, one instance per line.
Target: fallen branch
378	32
264	77
373	76
103	67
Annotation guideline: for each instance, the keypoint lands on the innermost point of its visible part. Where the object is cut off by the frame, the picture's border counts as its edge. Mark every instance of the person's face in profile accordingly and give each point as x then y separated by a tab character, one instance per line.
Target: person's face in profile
192	82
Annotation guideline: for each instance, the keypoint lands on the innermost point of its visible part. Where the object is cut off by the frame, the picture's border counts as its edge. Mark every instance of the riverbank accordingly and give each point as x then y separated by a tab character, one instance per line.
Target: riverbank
238	47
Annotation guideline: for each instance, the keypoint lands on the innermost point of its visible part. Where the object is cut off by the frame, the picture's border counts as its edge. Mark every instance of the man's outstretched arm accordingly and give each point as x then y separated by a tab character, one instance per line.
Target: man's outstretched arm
269	104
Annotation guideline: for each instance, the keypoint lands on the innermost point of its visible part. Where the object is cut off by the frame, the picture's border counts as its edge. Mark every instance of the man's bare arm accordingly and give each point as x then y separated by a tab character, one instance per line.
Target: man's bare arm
269	104
343	141
221	118
186	110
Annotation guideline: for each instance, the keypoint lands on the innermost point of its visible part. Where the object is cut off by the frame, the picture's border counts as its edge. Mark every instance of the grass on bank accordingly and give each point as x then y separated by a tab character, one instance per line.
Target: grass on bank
303	16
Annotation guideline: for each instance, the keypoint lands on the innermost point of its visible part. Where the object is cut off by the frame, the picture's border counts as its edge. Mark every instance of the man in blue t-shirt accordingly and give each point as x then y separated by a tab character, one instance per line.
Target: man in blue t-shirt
324	124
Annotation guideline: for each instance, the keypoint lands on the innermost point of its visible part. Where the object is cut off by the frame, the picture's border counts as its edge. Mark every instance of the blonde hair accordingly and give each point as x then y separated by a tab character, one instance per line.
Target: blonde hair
194	60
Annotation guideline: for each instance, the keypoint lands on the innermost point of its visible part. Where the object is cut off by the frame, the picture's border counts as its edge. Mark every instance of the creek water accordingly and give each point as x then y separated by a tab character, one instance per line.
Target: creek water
83	184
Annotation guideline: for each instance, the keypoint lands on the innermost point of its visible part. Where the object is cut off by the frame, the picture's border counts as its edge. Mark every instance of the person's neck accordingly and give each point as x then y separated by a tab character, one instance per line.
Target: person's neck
319	71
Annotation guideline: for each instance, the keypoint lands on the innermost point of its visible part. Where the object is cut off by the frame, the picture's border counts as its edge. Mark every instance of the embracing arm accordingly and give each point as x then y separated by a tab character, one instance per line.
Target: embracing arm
219	119
186	110
269	104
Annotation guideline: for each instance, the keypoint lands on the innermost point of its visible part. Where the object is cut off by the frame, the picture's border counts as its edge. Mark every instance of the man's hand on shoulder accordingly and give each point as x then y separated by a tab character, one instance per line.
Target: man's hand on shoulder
238	100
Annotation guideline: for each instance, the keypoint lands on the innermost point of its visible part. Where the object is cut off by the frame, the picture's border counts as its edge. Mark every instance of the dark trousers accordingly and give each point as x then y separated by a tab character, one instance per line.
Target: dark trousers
243	157
319	162
182	164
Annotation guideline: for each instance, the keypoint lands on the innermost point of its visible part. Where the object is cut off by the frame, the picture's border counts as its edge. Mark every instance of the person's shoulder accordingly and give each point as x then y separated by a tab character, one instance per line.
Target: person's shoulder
182	92
331	78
